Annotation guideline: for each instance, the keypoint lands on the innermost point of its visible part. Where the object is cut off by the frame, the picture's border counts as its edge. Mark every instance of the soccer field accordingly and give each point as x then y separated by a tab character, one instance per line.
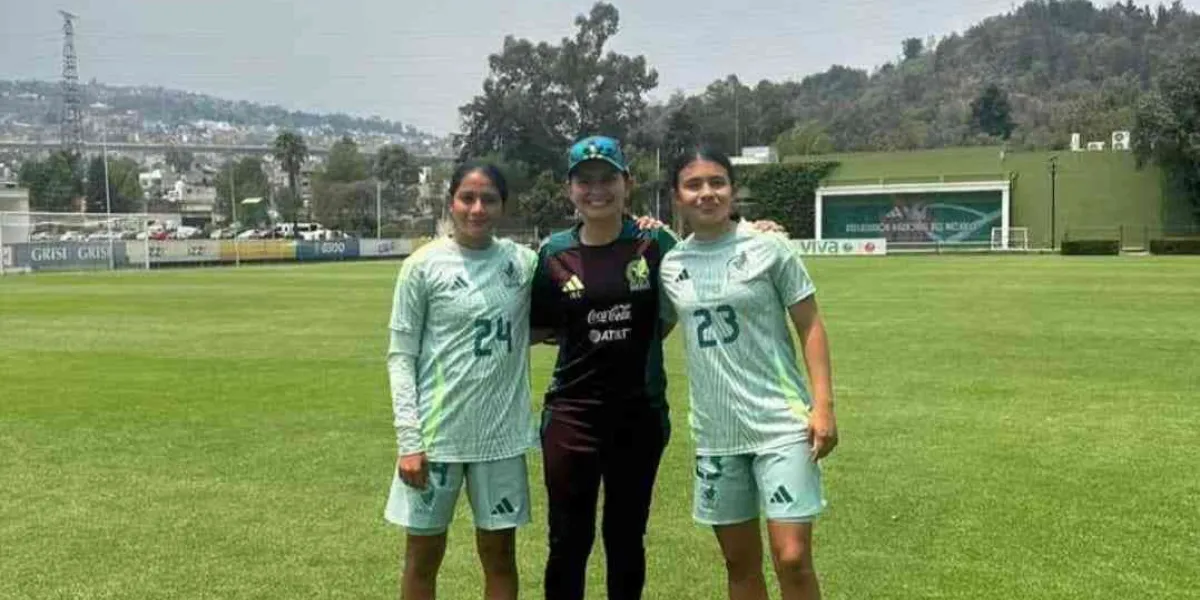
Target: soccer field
1012	427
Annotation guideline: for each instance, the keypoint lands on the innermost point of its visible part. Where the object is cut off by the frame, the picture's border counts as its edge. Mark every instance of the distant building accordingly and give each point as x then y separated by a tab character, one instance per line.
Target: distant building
755	155
277	177
194	200
152	183
429	194
13	198
13	229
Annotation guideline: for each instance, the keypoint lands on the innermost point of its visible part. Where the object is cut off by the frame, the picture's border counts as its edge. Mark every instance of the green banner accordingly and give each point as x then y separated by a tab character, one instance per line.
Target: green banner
913	217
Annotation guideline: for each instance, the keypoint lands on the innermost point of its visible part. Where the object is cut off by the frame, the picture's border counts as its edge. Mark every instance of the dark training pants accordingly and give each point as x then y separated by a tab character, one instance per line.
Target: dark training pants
623	450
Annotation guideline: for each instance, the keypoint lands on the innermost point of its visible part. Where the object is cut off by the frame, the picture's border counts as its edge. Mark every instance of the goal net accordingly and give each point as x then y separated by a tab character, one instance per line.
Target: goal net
1012	238
33	241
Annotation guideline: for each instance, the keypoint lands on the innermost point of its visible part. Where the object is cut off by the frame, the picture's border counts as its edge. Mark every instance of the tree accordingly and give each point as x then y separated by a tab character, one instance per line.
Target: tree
682	132
991	113
545	204
53	183
649	193
1167	127
124	189
394	166
913	47
287	205
345	163
1058	62
785	193
538	98
248	181
344	206
805	139
291	152
394	169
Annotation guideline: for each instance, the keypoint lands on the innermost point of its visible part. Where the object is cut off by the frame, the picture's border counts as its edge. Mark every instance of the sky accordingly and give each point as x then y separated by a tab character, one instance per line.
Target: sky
417	62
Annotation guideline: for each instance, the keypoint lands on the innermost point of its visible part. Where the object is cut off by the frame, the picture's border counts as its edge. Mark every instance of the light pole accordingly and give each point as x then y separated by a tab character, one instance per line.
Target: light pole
107	197
1053	202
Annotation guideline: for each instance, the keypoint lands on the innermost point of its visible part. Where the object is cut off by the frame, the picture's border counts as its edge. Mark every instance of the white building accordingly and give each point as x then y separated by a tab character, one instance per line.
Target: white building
14	199
151	182
755	155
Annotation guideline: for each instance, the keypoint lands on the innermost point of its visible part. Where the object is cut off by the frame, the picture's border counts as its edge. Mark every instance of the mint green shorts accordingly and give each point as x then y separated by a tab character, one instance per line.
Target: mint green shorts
498	491
784	484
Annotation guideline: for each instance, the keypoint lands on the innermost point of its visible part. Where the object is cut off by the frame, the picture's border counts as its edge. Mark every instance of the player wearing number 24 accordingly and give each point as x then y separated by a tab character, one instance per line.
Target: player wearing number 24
759	430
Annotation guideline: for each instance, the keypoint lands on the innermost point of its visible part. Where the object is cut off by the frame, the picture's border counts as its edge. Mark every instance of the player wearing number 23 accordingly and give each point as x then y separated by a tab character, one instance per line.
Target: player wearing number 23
758	429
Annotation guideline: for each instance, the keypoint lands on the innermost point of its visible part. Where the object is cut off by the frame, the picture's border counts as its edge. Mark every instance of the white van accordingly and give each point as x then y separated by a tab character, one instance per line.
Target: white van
285	229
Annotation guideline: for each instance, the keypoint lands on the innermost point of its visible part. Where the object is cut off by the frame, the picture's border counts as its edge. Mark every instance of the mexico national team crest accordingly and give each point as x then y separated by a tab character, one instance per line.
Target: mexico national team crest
512	275
737	265
637	273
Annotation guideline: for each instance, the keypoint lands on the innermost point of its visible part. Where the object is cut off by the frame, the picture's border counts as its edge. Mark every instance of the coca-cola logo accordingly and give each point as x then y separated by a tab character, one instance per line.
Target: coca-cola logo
618	313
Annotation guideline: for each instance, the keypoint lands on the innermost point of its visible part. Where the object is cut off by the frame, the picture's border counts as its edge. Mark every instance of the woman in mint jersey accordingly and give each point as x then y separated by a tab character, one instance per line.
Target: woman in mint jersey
759	430
458	364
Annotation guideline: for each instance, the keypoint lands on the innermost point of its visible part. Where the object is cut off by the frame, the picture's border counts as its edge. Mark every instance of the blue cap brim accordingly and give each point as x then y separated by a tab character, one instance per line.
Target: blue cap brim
616	165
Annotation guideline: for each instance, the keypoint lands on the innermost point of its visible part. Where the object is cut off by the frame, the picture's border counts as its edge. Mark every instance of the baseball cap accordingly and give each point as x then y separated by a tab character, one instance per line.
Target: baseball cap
597	147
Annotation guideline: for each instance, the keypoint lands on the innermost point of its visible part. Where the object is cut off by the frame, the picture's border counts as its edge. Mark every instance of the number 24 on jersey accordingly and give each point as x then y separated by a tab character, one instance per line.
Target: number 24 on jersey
488	331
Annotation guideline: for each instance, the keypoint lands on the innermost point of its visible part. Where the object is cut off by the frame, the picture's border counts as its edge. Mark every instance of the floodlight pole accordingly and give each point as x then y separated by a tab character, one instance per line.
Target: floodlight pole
1053	202
237	252
107	197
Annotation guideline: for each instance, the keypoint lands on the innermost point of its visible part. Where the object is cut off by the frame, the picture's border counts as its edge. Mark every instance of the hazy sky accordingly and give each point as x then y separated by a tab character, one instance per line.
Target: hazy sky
417	62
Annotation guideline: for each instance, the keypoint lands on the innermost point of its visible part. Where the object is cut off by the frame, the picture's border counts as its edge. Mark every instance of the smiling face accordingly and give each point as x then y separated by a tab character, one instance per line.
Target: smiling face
705	194
474	208
598	190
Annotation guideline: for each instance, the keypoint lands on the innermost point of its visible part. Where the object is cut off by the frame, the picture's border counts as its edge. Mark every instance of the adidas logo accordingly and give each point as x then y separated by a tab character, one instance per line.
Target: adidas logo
683	276
781	496
459	283
503	508
573	288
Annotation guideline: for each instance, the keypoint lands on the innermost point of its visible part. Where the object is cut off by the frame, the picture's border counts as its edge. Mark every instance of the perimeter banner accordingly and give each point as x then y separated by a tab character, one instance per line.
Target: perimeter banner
914	217
843	247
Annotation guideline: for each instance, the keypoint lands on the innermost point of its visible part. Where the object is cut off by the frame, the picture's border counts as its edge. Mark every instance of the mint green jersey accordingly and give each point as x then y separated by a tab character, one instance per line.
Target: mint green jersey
731	298
463	315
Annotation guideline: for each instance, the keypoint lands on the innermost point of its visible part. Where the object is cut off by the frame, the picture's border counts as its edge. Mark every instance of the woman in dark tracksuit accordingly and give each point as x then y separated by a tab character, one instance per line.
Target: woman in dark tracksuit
605	419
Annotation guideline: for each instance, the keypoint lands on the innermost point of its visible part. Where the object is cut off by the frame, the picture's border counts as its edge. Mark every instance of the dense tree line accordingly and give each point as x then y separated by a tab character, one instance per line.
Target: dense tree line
1029	79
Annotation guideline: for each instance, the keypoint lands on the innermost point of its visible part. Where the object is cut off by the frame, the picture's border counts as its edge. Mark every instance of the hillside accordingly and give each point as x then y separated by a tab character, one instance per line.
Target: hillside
34	105
1066	66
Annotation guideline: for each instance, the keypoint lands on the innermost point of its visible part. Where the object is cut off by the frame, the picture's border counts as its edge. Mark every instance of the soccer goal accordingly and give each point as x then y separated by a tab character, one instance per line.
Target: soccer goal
1012	238
41	241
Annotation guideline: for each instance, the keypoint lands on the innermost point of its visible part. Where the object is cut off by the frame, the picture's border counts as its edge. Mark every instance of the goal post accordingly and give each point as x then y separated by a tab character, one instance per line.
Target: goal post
45	241
1010	239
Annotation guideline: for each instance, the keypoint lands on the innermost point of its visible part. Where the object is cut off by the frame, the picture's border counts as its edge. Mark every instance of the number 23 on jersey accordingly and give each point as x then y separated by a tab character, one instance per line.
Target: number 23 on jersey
726	322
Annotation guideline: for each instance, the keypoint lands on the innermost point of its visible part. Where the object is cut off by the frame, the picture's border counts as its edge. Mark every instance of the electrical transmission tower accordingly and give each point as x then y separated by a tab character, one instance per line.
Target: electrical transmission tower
71	134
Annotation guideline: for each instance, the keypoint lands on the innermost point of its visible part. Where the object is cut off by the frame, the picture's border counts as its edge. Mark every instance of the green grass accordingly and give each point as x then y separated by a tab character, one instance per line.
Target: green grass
1013	427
